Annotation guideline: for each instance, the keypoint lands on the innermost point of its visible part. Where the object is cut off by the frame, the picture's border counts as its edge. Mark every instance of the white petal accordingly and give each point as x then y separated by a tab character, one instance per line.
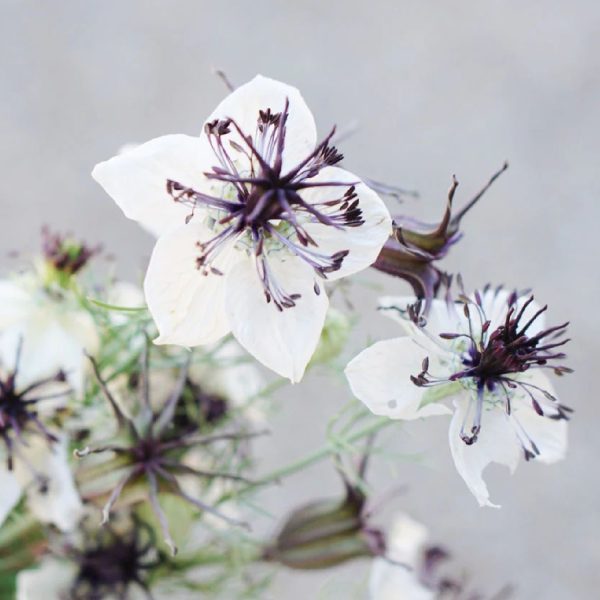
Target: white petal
51	580
406	540
497	442
243	104
10	491
440	319
237	378
50	325
390	581
549	435
380	377
187	306
57	501
363	242
284	340
15	302
136	179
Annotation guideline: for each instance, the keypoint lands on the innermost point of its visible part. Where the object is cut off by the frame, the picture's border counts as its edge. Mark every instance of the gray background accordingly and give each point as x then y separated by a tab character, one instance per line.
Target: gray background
438	88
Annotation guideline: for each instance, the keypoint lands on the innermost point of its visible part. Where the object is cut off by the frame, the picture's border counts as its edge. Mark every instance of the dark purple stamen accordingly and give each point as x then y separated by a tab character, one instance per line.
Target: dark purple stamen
267	196
64	255
18	409
155	453
493	360
114	562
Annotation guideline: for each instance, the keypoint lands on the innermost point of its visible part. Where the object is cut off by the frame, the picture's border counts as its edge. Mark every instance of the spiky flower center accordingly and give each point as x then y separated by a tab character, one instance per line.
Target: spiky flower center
490	365
19	413
260	208
114	562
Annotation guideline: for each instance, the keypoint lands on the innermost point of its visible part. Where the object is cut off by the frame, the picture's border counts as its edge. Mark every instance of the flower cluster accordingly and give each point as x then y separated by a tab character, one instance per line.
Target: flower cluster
132	420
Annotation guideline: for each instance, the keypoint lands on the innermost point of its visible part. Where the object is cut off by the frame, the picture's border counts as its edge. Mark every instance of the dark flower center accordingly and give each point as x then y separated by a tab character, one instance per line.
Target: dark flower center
114	564
18	410
494	359
265	206
65	255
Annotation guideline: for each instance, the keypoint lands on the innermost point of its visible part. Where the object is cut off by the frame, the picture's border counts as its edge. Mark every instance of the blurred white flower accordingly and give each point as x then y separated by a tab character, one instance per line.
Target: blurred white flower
396	577
488	358
54	331
41	471
251	216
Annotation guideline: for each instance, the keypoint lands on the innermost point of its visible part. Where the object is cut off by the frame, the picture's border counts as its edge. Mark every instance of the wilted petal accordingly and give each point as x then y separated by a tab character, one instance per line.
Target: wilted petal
380	377
497	442
283	340
363	242
261	93
187	306
137	179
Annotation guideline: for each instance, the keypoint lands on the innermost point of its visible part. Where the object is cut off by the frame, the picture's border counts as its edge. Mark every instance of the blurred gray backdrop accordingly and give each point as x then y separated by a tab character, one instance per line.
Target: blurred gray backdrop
437	88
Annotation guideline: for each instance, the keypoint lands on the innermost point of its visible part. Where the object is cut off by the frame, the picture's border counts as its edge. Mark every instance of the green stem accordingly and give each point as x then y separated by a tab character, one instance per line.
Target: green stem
317	455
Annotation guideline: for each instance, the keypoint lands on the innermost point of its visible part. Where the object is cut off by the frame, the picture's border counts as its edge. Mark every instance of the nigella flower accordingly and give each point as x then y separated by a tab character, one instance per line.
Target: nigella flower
415	247
149	449
38	308
490	357
412	568
35	458
113	562
65	255
252	216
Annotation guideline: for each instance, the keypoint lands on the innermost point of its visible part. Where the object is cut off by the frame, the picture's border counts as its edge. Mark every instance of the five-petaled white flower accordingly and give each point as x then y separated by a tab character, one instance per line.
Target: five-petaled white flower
397	575
250	217
489	358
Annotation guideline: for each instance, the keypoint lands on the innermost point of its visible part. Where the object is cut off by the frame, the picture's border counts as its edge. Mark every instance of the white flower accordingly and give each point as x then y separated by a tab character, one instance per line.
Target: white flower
250	215
396	576
42	471
53	330
488	357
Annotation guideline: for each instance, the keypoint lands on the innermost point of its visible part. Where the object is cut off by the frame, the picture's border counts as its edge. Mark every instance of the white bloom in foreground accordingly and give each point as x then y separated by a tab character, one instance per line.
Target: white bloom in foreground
396	577
489	358
53	330
250	215
41	471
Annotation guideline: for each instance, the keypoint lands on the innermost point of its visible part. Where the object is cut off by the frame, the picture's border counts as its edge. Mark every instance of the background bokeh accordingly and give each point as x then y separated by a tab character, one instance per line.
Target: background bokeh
436	88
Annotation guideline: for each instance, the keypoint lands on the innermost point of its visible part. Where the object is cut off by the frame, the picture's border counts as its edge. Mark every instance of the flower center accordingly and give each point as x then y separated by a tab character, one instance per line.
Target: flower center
490	364
111	566
262	206
18	411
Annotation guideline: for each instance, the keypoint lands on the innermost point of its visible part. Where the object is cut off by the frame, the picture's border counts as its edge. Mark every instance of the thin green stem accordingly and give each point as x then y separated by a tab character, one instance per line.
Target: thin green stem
317	455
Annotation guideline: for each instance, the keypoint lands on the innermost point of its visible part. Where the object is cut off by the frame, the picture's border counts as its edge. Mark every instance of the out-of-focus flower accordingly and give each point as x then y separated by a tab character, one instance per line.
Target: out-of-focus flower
110	564
415	247
397	575
412	568
64	256
489	358
53	328
150	450
42	471
252	215
36	457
